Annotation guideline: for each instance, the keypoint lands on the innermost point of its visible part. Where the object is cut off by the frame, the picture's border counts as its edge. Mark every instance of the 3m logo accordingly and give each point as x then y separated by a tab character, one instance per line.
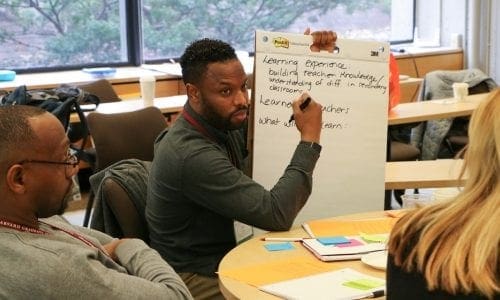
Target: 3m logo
281	43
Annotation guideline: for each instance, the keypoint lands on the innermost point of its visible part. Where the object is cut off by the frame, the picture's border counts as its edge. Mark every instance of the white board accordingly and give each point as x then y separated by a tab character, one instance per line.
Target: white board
352	86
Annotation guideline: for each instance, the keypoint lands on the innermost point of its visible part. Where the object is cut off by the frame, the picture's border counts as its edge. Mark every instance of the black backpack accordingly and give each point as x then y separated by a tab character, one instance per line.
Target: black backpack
61	102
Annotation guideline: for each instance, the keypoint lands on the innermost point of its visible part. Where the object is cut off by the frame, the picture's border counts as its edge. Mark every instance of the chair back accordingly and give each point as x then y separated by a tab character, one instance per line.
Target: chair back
129	217
101	88
125	135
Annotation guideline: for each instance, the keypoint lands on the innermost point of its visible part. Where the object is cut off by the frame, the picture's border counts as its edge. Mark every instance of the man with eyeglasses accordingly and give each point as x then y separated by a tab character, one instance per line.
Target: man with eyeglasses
45	257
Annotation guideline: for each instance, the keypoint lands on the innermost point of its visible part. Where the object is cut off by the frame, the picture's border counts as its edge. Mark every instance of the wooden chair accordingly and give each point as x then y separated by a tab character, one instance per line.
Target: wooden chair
122	136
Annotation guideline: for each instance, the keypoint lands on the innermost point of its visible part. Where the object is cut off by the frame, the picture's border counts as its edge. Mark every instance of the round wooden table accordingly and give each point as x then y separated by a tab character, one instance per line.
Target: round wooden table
252	252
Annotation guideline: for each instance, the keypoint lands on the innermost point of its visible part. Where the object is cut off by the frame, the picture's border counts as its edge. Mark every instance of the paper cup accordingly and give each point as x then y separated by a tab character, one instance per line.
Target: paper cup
445	194
416	200
148	84
460	91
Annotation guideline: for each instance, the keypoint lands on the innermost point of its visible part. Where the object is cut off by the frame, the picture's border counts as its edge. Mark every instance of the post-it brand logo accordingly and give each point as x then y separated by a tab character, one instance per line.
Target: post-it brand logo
281	42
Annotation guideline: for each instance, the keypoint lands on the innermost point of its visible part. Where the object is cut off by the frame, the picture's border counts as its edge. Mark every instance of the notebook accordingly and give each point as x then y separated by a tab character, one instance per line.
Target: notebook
340	284
342	252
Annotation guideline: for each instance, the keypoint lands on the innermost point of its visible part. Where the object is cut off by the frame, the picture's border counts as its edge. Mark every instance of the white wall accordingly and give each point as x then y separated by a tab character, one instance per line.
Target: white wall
476	20
495	41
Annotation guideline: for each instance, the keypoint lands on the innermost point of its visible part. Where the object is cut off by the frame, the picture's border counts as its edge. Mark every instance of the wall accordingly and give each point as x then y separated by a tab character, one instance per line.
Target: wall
477	22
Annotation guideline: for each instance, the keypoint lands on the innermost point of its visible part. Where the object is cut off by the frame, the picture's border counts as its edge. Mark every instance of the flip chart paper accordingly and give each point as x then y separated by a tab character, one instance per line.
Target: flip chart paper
352	86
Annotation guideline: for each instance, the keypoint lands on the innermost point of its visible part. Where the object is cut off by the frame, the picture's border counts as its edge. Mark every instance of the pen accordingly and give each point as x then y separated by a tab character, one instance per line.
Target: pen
302	106
282	239
374	294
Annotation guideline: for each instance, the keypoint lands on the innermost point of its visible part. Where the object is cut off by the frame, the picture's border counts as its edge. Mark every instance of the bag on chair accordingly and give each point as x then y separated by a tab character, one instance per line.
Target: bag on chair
61	102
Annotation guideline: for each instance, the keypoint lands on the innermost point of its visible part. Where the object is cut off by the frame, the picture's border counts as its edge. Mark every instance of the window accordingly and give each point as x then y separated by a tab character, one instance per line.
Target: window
47	34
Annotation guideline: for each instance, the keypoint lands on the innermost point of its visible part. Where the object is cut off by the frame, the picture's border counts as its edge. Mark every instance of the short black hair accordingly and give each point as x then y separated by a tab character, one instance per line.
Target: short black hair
15	130
201	53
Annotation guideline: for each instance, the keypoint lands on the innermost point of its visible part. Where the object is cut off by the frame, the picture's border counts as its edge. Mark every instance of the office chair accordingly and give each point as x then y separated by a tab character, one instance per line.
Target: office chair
122	136
129	217
103	89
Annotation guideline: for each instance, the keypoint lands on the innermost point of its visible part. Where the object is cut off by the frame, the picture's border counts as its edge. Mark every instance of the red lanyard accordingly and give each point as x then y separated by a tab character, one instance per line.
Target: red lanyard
19	227
197	125
75	235
39	231
204	131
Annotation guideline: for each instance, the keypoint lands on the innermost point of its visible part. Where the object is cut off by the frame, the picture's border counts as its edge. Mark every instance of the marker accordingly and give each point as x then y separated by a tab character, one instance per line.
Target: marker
282	239
374	294
302	106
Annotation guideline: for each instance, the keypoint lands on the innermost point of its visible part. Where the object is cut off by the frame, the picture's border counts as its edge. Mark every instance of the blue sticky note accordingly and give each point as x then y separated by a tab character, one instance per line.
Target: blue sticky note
333	240
279	246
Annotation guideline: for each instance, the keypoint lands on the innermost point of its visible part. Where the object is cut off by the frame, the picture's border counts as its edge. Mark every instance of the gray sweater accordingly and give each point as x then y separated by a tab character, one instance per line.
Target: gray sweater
59	266
195	193
132	175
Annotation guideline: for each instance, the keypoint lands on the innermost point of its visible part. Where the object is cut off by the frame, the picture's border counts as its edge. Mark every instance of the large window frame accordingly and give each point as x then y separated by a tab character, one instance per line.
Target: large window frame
131	41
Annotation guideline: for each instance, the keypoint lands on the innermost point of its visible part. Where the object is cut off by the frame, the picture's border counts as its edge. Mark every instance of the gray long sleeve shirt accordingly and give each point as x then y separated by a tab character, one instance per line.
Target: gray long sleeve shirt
57	265
195	193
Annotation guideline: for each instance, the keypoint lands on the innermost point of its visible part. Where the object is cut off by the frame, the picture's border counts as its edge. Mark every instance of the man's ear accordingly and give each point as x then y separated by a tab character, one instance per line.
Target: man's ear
15	179
193	92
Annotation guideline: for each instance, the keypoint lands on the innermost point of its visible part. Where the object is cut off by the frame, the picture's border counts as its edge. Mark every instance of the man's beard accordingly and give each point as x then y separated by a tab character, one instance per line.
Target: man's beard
214	119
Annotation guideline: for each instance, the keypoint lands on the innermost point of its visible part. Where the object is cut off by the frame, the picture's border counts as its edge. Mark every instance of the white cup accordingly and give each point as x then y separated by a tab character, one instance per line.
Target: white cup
460	91
444	194
416	200
456	40
148	84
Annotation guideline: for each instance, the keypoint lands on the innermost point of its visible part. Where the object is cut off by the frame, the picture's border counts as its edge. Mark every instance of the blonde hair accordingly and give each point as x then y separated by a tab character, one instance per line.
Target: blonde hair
457	242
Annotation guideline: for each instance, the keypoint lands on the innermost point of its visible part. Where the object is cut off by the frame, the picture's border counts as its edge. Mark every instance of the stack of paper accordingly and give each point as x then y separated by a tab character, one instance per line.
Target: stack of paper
353	249
341	284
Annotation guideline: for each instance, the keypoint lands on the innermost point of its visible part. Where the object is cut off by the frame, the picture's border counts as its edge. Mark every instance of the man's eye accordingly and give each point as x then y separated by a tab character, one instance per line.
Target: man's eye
226	92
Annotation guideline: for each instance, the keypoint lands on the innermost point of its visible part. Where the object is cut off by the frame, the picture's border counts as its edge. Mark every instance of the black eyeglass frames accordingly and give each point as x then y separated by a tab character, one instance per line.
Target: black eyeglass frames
71	162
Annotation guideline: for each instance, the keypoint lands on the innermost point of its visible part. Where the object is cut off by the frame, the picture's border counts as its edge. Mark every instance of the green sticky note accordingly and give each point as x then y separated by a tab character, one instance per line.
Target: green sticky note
373	238
363	284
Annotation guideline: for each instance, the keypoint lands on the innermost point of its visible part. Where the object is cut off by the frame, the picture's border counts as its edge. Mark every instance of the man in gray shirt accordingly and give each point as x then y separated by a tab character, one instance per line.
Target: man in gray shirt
199	190
43	256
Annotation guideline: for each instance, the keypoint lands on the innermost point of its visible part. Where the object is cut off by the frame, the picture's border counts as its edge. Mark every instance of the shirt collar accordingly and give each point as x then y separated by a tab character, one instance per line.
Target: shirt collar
221	136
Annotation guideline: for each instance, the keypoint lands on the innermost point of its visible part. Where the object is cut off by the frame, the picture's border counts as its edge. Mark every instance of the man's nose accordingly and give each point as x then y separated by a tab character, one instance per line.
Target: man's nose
241	99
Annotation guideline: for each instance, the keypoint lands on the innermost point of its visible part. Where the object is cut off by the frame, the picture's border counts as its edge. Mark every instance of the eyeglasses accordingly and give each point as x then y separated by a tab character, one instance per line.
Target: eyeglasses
71	162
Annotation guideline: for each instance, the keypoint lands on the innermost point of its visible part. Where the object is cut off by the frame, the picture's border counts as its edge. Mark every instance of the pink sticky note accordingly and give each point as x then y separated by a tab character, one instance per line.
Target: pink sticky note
352	242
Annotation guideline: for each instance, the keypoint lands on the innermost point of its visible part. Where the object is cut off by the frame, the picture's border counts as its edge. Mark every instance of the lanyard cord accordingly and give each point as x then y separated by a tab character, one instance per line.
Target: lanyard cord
24	228
204	131
20	227
75	235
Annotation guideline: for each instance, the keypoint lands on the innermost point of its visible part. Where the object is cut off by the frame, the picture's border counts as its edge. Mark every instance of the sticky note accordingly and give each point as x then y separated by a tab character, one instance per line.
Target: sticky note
363	284
351	243
333	240
279	246
374	238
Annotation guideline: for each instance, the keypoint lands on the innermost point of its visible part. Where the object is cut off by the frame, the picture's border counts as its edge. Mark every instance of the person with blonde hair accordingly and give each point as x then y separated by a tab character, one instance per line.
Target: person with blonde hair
450	250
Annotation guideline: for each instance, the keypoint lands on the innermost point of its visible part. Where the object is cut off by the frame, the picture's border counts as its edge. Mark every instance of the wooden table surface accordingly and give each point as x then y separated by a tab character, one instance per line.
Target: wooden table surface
167	105
252	252
434	109
423	174
401	114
